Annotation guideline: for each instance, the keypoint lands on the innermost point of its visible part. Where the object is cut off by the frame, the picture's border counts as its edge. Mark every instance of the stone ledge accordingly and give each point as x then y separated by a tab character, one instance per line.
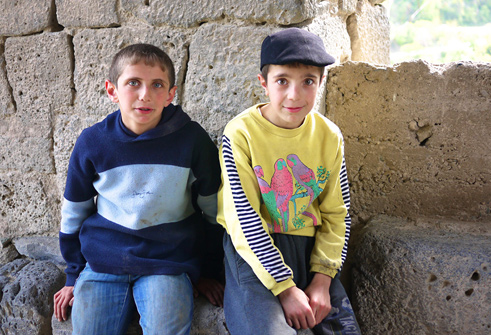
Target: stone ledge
422	277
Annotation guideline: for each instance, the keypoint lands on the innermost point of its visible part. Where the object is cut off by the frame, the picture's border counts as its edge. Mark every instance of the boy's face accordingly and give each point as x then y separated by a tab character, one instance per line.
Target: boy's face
142	92
292	92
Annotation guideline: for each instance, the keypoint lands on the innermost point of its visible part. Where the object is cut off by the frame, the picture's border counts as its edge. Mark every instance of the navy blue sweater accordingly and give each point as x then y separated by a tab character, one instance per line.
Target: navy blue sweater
135	204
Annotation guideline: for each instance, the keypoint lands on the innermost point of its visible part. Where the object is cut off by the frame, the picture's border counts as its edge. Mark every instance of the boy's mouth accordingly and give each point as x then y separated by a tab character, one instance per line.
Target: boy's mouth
144	110
293	109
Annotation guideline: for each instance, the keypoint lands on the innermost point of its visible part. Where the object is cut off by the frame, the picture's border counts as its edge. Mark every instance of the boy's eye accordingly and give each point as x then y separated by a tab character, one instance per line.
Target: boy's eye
309	82
133	83
281	81
158	85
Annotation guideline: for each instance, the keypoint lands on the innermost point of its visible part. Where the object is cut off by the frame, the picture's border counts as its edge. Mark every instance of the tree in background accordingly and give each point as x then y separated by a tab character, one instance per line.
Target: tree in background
440	30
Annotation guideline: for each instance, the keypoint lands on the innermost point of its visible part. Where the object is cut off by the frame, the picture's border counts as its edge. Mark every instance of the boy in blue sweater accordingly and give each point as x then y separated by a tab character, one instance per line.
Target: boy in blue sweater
139	204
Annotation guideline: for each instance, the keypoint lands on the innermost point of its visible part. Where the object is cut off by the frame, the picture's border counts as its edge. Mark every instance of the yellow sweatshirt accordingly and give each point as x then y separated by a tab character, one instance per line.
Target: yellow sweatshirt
288	181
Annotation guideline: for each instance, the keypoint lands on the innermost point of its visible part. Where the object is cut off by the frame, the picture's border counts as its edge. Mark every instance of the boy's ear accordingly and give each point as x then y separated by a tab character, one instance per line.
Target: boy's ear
263	82
112	91
172	94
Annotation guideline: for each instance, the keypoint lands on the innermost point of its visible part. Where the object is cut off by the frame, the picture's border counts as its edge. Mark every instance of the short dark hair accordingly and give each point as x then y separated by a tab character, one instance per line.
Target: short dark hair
265	69
136	53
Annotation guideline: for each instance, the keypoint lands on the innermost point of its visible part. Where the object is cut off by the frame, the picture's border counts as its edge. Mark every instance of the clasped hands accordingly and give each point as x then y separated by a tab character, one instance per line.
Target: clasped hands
306	309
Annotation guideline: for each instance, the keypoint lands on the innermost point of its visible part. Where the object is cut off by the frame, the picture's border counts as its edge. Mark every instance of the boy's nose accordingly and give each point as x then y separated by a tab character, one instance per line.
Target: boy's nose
144	93
293	93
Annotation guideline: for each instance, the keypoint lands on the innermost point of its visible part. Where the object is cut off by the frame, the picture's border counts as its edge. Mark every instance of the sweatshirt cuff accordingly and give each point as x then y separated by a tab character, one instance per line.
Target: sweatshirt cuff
322	269
70	280
280	287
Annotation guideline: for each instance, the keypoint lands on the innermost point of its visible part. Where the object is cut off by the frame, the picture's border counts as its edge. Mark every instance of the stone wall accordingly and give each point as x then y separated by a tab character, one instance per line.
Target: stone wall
417	138
55	55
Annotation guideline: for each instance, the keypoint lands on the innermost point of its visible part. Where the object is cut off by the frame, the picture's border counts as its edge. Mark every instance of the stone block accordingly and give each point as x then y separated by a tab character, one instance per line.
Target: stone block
26	154
40	248
87	14
29	204
345	7
27	290
7	106
40	70
67	128
8	254
222	81
369	30
23	17
94	50
422	277
26	142
333	31
179	14
414	144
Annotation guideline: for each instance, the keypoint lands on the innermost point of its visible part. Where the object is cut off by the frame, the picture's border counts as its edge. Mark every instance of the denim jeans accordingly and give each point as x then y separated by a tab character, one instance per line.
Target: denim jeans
105	304
251	309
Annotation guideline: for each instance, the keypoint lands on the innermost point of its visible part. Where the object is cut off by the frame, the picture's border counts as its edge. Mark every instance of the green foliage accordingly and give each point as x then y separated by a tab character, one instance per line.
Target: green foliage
457	12
440	31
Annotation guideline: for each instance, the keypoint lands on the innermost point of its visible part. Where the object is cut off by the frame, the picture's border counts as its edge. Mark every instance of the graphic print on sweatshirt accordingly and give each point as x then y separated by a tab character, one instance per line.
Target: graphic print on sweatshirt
292	180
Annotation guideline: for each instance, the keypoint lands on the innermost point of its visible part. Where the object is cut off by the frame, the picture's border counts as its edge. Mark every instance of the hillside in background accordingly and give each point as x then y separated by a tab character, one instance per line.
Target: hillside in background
440	31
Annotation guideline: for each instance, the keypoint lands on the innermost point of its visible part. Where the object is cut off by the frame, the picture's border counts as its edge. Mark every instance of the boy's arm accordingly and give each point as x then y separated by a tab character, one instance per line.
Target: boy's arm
206	170
331	239
78	205
239	203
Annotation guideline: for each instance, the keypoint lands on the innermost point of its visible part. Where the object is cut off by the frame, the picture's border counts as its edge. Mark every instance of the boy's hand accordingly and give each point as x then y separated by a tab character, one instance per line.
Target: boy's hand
63	299
298	312
320	299
211	289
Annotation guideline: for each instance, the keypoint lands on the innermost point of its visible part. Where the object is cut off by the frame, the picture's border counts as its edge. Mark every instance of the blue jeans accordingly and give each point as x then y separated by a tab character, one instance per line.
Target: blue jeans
105	304
251	309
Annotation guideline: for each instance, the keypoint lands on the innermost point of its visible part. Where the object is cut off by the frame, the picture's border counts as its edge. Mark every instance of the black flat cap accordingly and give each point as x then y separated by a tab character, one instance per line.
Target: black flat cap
294	45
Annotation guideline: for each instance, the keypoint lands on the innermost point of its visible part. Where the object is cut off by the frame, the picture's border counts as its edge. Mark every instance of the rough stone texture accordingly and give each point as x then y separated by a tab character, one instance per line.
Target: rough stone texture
25	154
214	94
40	71
423	277
67	128
369	30
344	7
178	13
93	13
40	248
26	293
26	141
29	204
334	33
94	50
6	101
25	16
417	138
8	254
208	319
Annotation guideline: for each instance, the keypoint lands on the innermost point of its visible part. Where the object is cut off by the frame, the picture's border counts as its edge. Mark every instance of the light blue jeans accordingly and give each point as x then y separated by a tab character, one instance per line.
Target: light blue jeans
105	304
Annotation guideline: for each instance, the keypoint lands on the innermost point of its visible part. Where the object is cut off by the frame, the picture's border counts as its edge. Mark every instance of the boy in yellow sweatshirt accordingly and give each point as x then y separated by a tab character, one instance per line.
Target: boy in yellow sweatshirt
284	201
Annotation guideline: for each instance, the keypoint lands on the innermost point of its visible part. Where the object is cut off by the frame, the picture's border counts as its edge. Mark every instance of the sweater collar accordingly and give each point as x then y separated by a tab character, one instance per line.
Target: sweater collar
173	119
273	129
